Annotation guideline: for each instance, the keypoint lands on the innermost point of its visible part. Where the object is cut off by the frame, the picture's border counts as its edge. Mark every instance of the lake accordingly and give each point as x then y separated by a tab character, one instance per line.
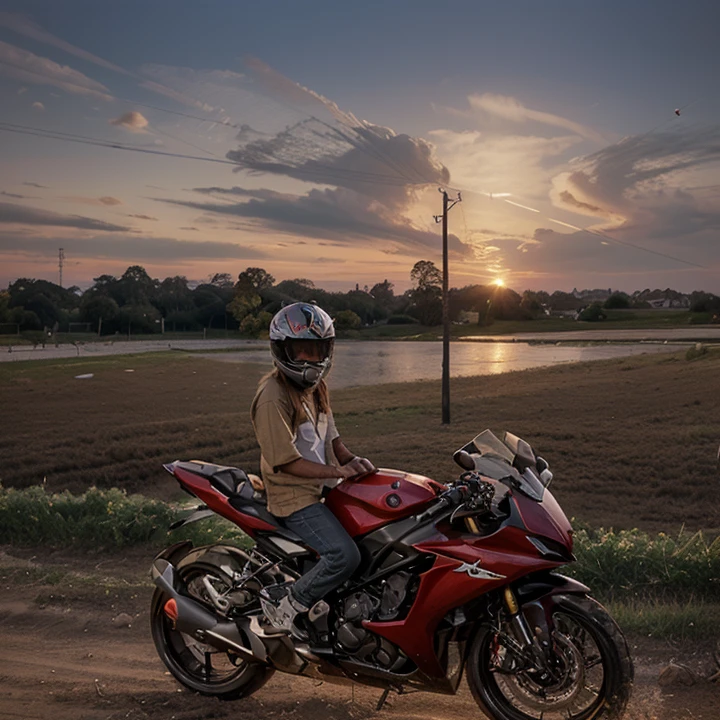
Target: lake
373	363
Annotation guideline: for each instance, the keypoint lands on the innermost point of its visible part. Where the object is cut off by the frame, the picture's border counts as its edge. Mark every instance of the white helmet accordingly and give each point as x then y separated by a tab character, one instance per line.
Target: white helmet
306	328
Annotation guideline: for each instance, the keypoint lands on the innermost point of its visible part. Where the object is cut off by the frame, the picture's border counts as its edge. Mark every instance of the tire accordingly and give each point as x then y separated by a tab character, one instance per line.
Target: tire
505	695
197	666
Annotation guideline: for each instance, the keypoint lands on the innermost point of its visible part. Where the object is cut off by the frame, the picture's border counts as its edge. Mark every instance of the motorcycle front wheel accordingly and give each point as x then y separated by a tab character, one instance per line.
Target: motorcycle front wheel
199	666
592	678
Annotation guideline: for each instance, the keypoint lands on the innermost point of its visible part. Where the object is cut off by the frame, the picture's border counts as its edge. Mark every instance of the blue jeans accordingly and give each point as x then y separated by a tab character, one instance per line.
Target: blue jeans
339	555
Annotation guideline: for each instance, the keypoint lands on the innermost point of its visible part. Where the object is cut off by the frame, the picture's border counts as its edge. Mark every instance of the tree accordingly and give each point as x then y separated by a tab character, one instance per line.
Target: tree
254	280
174	295
426	298
383	294
425	274
136	287
222	280
94	307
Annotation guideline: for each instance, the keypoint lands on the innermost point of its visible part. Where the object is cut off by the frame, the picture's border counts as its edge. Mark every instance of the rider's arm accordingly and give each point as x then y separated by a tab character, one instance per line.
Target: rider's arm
303	468
343	455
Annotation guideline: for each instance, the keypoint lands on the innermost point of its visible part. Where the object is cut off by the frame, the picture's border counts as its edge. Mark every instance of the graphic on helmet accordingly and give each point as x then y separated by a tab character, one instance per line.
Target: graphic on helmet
302	338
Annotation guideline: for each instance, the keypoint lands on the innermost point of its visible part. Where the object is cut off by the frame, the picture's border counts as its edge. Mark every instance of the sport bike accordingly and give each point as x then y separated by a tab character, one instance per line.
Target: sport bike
457	577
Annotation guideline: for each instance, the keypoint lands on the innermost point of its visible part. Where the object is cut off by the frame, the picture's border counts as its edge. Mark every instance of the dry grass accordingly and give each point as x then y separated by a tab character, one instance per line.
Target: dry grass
632	442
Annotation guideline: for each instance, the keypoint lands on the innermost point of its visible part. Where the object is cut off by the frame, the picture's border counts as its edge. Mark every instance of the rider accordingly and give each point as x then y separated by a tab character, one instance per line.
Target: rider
301	451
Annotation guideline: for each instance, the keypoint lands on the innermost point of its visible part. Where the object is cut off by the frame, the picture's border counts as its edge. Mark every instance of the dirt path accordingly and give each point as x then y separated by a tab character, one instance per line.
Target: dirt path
63	658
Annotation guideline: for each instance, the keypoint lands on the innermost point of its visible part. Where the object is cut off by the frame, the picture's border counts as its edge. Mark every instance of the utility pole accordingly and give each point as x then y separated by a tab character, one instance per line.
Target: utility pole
61	261
447	206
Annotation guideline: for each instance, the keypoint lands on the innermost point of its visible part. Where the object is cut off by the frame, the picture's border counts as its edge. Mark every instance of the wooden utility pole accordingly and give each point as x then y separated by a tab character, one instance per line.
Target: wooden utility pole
447	206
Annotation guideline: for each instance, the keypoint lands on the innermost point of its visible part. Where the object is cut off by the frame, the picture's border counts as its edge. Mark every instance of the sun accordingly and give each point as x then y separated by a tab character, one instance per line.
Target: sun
499	283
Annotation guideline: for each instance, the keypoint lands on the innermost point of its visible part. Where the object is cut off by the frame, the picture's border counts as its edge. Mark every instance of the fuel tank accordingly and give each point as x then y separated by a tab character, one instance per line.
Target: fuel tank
380	498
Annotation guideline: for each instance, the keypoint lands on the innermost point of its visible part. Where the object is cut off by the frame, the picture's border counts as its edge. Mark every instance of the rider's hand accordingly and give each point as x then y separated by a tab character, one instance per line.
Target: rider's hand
357	466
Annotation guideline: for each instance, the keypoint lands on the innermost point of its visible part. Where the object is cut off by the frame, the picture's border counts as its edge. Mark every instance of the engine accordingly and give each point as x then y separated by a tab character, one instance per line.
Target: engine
378	603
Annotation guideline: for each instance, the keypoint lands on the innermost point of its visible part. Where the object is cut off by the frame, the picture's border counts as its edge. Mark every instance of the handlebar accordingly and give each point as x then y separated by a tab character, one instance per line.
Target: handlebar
470	487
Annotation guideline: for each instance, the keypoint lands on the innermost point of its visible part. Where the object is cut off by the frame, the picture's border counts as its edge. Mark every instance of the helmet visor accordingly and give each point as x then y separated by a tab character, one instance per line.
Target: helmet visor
313	351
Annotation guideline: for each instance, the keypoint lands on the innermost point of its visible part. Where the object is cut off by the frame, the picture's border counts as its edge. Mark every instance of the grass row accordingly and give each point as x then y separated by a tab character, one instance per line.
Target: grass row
622	566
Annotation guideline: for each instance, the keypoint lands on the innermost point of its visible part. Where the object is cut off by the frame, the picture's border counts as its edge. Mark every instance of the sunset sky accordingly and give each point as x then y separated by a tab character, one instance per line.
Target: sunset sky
318	134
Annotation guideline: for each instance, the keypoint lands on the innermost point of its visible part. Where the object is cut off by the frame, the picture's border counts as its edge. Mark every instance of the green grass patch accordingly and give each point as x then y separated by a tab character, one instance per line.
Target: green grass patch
667	620
632	565
109	519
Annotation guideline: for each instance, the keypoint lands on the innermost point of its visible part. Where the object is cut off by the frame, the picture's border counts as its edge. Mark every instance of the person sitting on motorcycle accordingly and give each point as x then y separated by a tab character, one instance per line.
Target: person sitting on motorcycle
301	452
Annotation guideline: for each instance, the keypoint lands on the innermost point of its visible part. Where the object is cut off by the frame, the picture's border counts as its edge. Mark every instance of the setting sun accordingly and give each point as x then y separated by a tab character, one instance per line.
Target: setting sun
499	283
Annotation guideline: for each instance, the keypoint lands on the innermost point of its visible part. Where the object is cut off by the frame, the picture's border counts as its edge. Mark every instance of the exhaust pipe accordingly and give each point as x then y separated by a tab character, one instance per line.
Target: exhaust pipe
190	617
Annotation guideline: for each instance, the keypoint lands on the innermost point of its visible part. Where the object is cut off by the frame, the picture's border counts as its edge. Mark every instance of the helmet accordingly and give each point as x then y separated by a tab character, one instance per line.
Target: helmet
302	337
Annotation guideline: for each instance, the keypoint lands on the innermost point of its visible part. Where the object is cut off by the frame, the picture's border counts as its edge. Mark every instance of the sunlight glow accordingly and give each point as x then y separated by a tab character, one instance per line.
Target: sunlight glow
498	283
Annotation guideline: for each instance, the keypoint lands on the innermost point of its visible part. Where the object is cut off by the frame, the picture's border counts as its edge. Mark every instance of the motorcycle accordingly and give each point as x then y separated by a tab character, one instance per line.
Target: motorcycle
457	577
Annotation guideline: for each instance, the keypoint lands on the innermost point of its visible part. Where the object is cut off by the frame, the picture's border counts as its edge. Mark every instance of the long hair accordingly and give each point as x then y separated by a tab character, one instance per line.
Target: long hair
318	395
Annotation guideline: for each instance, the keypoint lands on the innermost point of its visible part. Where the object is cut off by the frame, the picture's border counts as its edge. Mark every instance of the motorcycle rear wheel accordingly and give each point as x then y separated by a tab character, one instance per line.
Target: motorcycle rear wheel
593	657
197	666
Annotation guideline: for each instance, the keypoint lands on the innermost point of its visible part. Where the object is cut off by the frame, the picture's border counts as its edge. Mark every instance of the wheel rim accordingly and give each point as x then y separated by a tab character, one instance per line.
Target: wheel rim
575	693
190	660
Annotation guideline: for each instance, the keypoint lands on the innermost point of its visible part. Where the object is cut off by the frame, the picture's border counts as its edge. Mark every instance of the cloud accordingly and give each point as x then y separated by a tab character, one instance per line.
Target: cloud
131	248
143	217
133	121
27	67
25	26
509	108
653	185
192	229
13	195
36	185
11	213
339	215
39	106
100	201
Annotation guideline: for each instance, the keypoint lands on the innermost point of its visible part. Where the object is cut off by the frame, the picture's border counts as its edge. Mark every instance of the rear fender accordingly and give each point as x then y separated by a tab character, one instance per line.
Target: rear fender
226	558
174	553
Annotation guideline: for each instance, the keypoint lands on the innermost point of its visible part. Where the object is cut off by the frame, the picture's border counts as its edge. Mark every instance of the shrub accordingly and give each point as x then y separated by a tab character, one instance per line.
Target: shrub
593	313
96	519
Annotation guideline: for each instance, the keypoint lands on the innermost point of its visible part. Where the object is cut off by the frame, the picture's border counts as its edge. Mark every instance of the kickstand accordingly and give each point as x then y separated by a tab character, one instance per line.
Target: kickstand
382	700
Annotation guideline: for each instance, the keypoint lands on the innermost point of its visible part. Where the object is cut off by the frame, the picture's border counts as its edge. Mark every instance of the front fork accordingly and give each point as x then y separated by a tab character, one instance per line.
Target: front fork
534	641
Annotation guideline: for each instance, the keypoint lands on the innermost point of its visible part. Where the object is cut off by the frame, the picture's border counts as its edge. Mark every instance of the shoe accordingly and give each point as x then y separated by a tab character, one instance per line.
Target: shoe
281	615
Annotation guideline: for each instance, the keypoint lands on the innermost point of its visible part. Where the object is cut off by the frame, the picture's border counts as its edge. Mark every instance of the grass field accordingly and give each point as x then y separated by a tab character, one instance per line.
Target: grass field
632	441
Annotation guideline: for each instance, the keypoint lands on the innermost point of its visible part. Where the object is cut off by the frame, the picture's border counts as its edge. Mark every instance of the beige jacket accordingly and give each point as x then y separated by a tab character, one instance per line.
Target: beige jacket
282	439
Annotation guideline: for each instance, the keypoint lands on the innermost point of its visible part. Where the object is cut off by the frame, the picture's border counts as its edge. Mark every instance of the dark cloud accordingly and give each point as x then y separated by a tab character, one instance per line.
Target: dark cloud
143	217
130	248
193	229
36	185
339	215
11	213
13	195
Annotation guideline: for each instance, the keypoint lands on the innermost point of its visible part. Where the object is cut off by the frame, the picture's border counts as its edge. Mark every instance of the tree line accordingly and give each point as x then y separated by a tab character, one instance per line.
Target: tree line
136	303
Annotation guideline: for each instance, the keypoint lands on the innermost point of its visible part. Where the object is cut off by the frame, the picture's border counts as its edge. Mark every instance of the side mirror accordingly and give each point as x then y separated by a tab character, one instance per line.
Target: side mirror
544	471
464	459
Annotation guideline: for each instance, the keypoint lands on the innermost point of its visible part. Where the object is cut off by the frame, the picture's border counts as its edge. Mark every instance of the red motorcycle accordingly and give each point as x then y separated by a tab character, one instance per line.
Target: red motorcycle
453	577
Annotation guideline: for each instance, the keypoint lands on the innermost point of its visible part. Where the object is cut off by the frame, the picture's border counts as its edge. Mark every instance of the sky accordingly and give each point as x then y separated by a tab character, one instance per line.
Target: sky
312	139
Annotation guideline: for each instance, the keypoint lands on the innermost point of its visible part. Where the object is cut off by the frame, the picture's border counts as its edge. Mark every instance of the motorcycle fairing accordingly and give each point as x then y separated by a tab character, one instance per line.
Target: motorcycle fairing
442	588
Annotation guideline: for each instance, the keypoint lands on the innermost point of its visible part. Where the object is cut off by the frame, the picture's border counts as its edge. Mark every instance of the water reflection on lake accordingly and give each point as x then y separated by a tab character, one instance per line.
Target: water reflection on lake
372	363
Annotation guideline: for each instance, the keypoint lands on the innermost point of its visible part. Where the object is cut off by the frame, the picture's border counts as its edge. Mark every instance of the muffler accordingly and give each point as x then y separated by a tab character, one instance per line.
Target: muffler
192	618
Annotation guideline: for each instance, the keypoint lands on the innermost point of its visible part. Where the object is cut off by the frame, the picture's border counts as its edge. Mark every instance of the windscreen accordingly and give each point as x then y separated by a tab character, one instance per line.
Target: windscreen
497	460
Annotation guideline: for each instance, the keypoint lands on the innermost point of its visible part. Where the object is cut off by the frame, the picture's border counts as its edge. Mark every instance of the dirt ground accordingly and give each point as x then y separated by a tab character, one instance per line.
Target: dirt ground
63	658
